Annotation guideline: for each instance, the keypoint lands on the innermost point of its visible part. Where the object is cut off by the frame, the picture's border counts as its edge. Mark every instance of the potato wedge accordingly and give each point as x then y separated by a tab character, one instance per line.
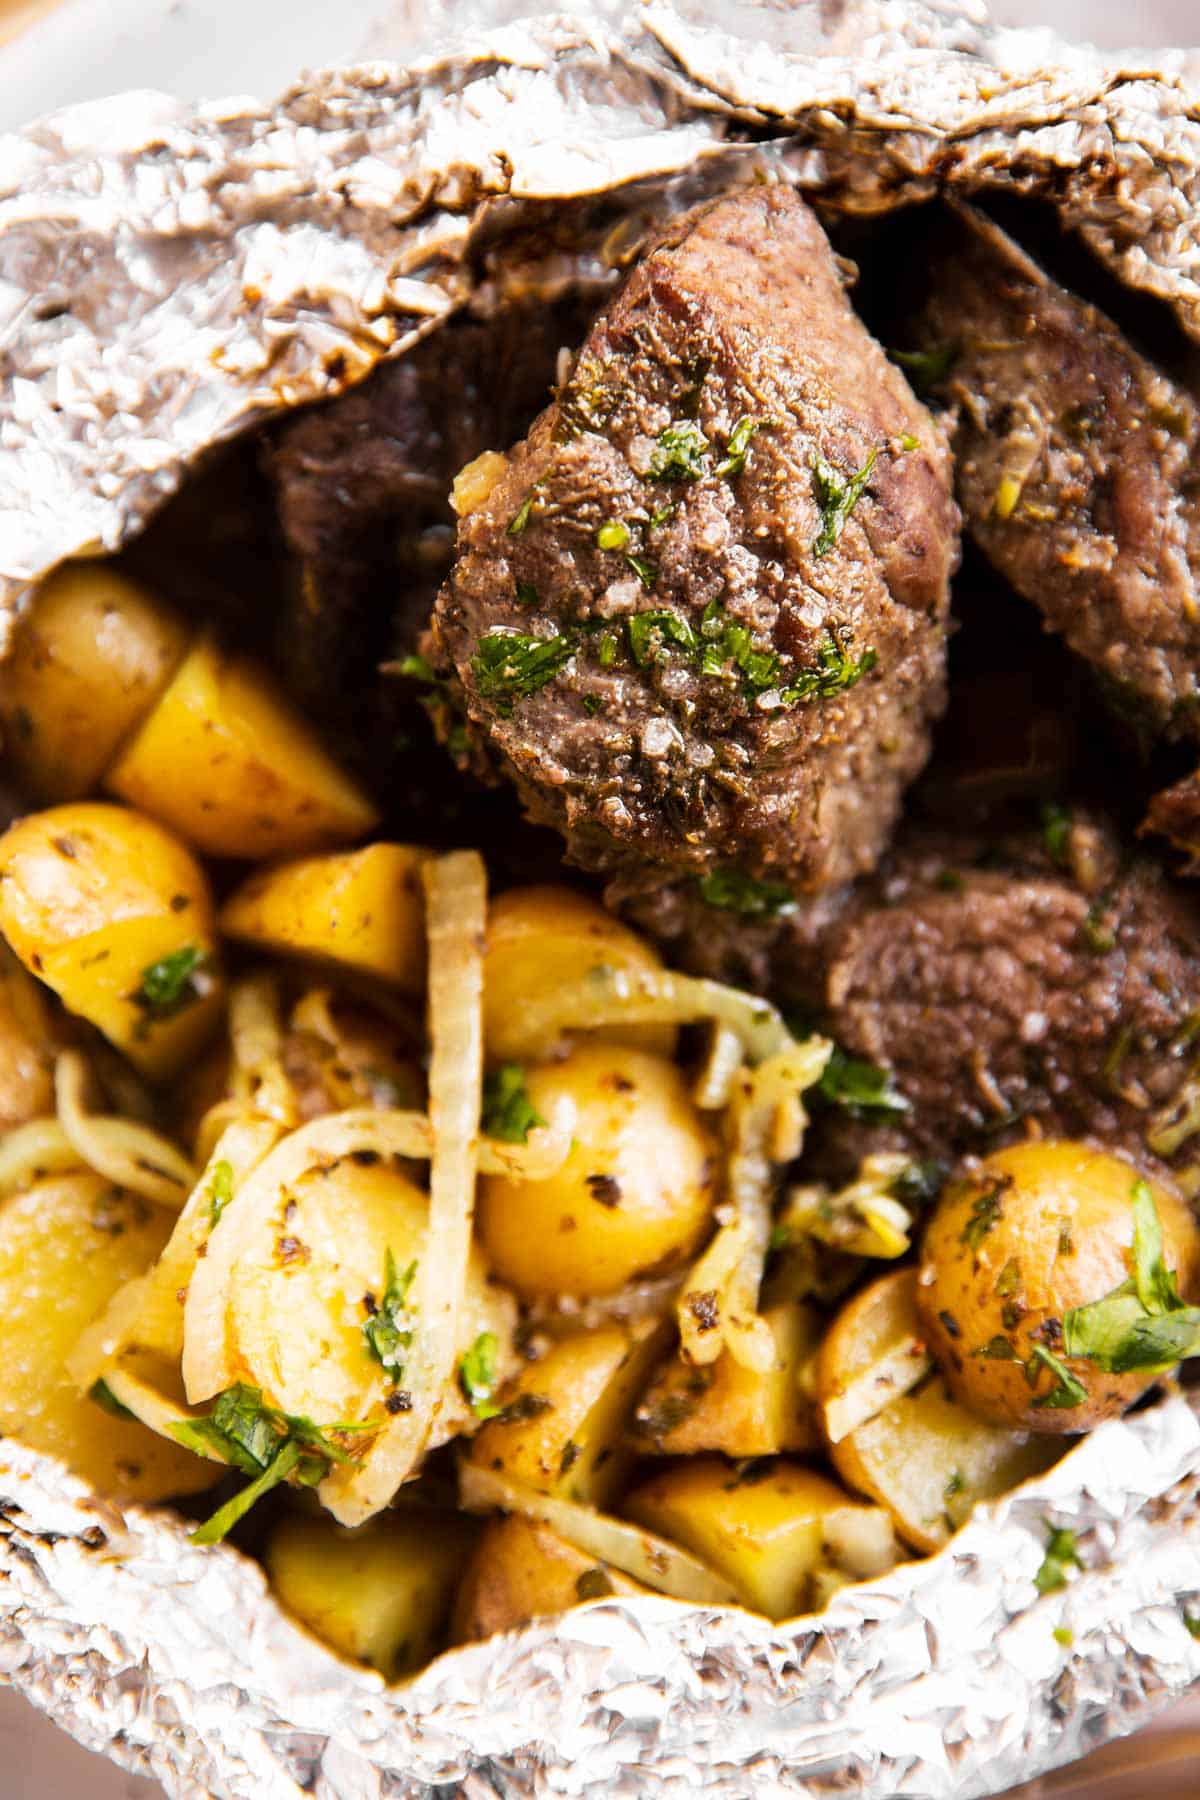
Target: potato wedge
379	1594
115	915
723	1406
66	1247
770	1529
226	762
89	660
521	1570
358	911
874	1350
561	1430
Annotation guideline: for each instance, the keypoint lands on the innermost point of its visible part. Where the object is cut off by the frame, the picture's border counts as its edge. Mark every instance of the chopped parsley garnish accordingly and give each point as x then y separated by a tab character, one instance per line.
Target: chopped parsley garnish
918	1183
734	459
262	1442
731	891
388	1333
508	1112
220	1191
1067	1391
520	518
837	496
606	655
527	594
613	536
860	1088
643	568
477	1374
680	453
1056	832
1097	930
985	1215
1062	1553
650	634
660	515
926	368
1144	1324
510	666
169	984
836	670
592	704
955	1485
909	443
1191	1625
104	1397
725	641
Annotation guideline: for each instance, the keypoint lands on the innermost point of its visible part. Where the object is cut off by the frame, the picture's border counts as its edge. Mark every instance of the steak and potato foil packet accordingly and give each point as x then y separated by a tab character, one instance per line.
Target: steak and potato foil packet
172	277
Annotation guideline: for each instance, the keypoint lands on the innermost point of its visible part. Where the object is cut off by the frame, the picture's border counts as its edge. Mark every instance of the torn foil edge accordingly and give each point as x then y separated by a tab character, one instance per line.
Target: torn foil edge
170	276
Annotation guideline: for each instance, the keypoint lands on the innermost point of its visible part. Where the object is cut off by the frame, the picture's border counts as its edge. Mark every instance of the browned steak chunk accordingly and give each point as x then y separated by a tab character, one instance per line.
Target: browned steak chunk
1074	460
700	617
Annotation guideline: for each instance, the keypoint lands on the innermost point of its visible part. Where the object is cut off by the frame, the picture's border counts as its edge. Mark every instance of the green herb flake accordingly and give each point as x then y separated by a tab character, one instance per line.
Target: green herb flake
644	569
918	1183
926	368
169	984
103	1396
737	449
731	891
780	1237
527	594
220	1191
653	634
1067	1391
680	453
388	1332
510	666
1062	1553
955	1485
477	1374
613	536
997	1349
860	1088
1064	1635
416	668
592	704
836	670
1143	1324
837	496
908	443
1191	1624
1056	832
1096	930
606	654
660	515
508	1112
520	518
986	1209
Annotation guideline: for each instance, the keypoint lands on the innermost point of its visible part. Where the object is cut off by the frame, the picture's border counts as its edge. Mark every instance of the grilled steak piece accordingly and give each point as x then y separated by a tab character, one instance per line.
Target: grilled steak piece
700	618
1074	466
1028	982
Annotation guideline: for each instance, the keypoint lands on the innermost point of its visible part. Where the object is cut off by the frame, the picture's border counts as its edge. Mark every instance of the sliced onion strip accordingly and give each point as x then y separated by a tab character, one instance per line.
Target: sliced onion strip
131	1156
31	1152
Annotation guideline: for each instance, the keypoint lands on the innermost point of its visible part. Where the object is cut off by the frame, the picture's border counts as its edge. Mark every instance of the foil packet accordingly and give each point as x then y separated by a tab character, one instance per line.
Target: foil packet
171	277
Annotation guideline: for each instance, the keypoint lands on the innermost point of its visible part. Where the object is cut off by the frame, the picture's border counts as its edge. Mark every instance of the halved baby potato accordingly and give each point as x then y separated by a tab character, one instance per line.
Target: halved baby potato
895	1432
359	911
230	765
521	1570
379	1593
26	1046
89	660
66	1246
115	915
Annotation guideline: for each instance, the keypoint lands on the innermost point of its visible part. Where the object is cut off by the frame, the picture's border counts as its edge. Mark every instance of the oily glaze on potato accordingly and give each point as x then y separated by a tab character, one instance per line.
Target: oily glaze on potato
115	915
634	1196
26	1046
741	1412
1034	1232
521	1570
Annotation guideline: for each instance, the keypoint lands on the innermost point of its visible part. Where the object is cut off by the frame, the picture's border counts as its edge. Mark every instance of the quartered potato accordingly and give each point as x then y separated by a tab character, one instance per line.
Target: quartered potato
776	1530
89	660
226	762
542	938
115	915
358	911
896	1434
723	1406
561	1427
66	1247
380	1593
521	1570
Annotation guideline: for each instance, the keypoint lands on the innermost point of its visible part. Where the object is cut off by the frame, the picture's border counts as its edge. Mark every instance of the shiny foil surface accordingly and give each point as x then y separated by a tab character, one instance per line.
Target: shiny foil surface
171	276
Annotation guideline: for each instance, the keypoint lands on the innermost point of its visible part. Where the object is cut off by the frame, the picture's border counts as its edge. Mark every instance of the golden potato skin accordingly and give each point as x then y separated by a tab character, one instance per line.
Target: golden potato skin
66	1246
1037	1230
230	765
93	895
521	1570
360	911
542	938
26	1046
722	1406
379	1594
89	660
635	1194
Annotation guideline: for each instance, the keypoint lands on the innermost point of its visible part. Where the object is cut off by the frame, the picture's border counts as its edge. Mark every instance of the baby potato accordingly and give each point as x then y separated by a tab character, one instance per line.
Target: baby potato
561	1426
1011	1251
874	1351
229	764
380	1593
26	1047
66	1246
540	938
115	915
771	1530
521	1570
361	911
634	1196
722	1406
89	660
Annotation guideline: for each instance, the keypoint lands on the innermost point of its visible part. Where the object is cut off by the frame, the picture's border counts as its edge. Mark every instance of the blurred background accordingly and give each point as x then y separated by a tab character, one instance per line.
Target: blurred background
56	52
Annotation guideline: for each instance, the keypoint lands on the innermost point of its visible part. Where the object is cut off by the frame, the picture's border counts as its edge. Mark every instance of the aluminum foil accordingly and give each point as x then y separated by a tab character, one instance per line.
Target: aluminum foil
169	277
